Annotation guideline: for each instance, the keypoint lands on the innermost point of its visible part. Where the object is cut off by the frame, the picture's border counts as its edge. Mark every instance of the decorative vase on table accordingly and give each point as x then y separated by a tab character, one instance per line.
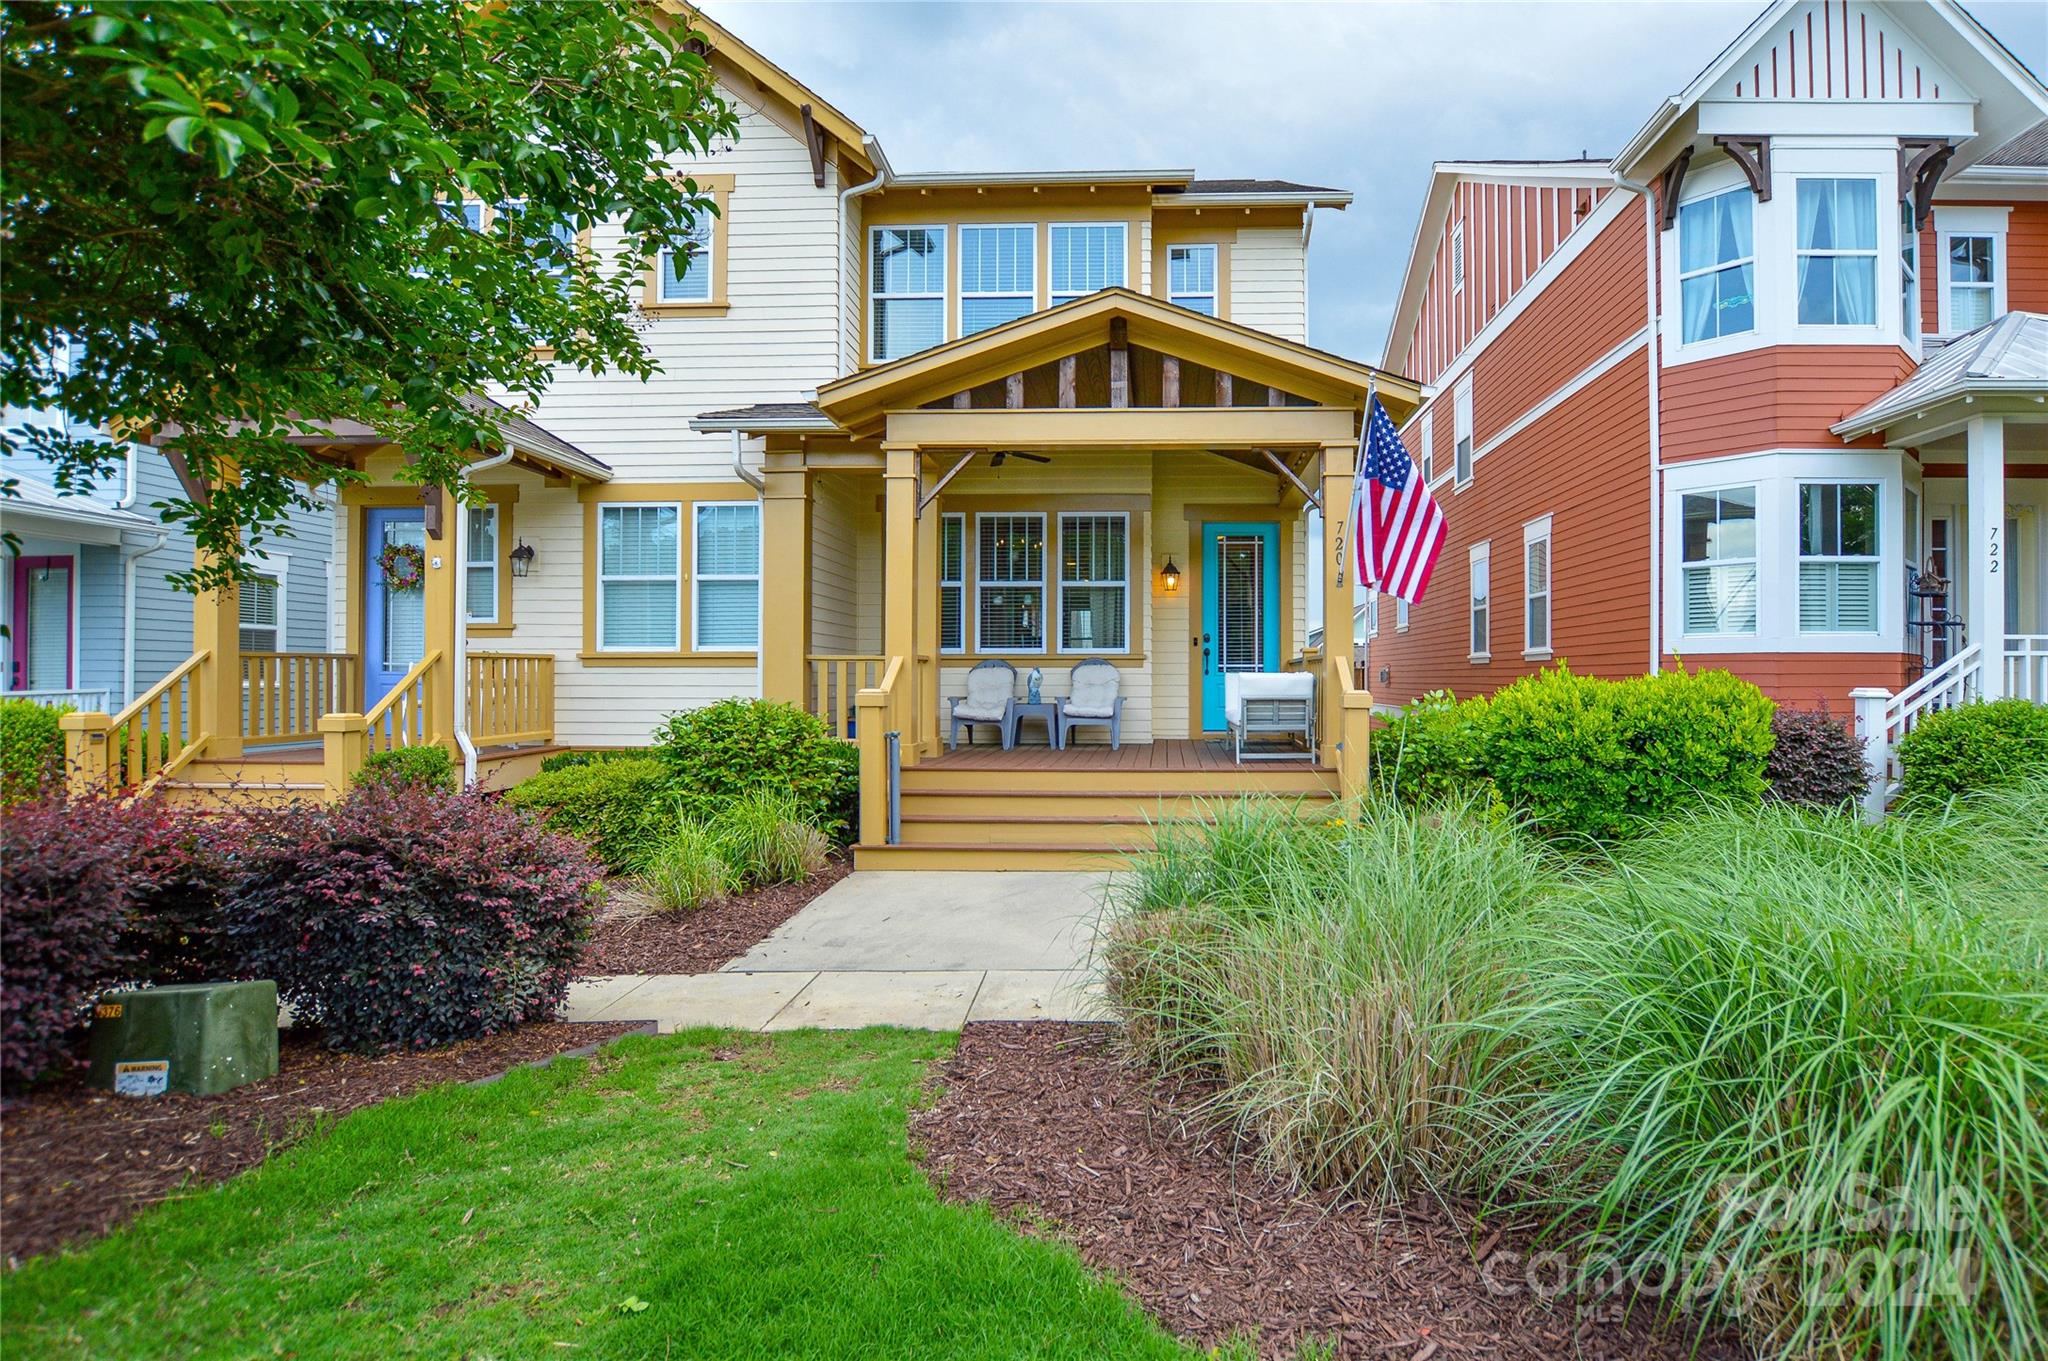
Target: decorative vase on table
1031	684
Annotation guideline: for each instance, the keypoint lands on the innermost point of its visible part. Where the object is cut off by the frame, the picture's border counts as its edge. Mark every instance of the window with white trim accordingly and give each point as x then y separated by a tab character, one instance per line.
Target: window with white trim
1428	443
1481	559
1009	585
1835	225
480	563
261	613
685	274
1536	587
1909	273
639	577
726	597
907	290
1086	256
1191	278
1718	560
1717	265
1461	429
1838	557
1970	280
1400	615
998	267
1457	257
1369	617
953	583
1095	572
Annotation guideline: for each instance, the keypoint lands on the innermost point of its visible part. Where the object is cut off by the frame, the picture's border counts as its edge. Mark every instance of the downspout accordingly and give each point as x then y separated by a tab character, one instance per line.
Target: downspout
739	466
846	197
460	650
130	554
1652	347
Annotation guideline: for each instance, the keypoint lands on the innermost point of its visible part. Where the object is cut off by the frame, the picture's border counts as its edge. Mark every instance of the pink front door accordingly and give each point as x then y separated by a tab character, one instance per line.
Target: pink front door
43	652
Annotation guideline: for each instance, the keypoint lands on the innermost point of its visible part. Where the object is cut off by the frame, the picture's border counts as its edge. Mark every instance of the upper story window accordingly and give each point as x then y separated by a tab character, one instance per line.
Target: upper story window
686	265
1717	265
1086	257
559	238
480	561
1909	273
907	287
1838	560
1191	278
1835	236
1971	280
1461	415
1718	531
997	276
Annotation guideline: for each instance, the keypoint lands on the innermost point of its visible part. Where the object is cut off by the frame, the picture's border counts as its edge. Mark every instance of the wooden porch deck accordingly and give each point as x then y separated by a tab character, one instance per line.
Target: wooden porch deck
1177	754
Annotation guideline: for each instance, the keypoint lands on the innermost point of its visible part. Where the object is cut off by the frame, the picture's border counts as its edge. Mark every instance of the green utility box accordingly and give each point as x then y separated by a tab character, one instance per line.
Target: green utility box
198	1038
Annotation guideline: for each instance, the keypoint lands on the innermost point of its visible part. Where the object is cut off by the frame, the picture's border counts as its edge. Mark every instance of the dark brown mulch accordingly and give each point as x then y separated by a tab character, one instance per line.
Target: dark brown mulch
1048	1125
75	1161
705	940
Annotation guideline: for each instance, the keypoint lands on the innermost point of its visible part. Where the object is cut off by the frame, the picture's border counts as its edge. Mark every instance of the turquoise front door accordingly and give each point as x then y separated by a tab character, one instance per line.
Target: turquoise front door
394	621
1240	607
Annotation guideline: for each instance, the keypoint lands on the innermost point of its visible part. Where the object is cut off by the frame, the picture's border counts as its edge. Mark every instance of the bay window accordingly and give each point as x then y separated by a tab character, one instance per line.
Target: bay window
1009	587
1191	278
1095	582
997	276
639	577
1086	257
727	595
952	583
1718	560
1717	265
1909	273
1836	243
907	290
1838	559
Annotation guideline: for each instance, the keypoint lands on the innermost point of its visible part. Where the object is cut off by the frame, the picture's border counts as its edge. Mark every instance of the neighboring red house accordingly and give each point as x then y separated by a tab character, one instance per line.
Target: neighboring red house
1665	412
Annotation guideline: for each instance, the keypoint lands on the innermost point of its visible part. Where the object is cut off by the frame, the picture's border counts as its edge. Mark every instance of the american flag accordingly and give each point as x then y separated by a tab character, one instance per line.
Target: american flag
1398	529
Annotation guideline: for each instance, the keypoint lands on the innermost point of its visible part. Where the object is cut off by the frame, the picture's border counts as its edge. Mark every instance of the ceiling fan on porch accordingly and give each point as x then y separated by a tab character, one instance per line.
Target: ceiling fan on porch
996	459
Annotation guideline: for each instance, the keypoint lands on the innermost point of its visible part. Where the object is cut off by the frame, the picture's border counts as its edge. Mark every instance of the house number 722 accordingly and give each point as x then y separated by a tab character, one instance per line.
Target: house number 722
1994	548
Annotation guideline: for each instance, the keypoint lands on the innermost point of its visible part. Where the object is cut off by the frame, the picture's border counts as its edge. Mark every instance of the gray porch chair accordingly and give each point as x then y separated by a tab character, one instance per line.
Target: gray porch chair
991	698
1094	699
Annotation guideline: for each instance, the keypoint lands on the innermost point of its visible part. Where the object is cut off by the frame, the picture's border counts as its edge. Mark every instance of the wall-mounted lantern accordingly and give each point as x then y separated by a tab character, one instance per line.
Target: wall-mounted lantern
1169	577
522	559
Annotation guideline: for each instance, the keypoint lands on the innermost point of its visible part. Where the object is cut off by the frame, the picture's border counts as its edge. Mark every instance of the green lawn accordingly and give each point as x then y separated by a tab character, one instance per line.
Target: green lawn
699	1195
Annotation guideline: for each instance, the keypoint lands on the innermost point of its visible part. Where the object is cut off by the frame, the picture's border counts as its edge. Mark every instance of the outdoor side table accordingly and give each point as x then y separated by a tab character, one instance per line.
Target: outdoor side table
1046	711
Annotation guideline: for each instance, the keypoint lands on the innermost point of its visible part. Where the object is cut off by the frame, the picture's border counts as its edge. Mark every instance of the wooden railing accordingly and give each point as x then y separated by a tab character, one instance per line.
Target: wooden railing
286	694
150	739
1350	718
835	680
511	697
884	710
405	717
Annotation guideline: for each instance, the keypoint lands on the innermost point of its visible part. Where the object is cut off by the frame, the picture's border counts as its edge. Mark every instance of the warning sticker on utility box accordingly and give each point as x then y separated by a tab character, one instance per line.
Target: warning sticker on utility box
142	1077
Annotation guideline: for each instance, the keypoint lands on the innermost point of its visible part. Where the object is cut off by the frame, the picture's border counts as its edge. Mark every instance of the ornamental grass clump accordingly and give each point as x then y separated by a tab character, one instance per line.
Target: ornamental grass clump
1770	1063
689	870
1326	974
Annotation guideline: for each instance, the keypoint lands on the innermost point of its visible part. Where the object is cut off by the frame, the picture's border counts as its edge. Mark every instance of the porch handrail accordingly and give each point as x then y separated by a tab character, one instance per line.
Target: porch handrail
836	678
1883	718
881	712
148	741
1352	728
2026	666
511	697
404	717
286	694
90	699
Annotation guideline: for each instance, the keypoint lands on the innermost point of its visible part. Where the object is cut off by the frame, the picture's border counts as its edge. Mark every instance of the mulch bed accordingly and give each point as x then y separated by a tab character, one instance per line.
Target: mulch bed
1049	1126
75	1161
705	940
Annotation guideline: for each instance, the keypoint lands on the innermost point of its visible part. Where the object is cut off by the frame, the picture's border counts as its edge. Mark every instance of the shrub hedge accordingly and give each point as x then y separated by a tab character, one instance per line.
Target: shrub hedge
1815	760
619	807
426	767
31	747
728	749
1432	750
1972	747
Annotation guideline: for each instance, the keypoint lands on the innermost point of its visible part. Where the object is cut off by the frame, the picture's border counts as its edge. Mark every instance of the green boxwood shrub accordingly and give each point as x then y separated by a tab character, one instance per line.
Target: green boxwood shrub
1972	747
620	808
1432	750
728	749
423	767
31	747
569	760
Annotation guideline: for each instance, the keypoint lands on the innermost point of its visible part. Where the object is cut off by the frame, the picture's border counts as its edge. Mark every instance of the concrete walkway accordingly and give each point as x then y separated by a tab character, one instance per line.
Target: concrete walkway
924	949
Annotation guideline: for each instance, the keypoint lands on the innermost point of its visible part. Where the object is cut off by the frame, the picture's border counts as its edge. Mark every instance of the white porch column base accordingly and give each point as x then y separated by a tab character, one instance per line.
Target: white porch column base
1870	702
1986	554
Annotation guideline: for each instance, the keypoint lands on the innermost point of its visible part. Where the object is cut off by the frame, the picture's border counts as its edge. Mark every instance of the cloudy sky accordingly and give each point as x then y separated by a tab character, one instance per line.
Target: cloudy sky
1359	96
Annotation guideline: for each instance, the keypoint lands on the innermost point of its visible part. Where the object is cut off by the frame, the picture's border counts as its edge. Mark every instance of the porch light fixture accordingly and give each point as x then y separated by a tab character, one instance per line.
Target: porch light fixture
1169	577
522	559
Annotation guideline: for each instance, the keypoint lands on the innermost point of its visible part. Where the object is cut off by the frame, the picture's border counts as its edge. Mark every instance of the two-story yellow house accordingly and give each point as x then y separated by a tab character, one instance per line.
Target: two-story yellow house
906	424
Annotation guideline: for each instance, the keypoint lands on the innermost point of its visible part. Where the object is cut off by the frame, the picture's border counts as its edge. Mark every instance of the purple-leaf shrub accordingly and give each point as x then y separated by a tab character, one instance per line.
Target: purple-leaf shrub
405	918
1814	760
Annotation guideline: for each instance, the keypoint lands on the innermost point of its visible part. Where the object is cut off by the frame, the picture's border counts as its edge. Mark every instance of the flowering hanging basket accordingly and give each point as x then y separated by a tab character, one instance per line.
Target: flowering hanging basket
404	566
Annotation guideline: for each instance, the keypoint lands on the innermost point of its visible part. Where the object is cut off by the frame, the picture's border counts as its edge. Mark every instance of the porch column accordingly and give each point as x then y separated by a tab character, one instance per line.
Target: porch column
1986	552
900	480
217	632
1334	574
927	632
437	603
786	588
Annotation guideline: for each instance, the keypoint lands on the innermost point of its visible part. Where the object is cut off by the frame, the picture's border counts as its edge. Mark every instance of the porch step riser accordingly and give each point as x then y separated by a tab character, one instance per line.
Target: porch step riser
1088	808
986	858
1144	783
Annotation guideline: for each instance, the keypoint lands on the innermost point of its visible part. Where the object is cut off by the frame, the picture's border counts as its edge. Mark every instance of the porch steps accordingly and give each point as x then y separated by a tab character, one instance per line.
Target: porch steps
243	780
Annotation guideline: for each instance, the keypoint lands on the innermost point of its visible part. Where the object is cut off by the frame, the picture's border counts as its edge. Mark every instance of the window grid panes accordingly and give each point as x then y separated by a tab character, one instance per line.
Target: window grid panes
727	613
1718	572
480	552
639	581
997	276
1837	252
1009	583
1481	598
1536	593
907	280
1428	442
1717	266
1972	280
1085	258
1094	583
952	583
258	622
1191	278
1909	272
1461	415
686	268
1838	559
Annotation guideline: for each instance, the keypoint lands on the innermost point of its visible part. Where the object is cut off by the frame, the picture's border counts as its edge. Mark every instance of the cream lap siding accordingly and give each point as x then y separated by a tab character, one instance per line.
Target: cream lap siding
1269	282
835	564
852	301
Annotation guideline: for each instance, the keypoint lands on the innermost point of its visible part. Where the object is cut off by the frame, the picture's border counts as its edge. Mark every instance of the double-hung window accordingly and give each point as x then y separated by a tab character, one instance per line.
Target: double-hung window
1400	616
1838	561
727	597
1481	600
1095	568
1536	587
1717	266
639	577
261	601
1718	560
1461	415
1972	281
1836	239
907	287
1086	257
952	583
685	266
1009	587
997	274
1191	278
1428	443
480	562
1909	273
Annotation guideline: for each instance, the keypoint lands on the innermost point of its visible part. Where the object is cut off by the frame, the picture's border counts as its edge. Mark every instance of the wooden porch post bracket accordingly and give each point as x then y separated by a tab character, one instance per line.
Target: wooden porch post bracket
1752	155
1921	161
939	486
814	141
1670	184
1280	465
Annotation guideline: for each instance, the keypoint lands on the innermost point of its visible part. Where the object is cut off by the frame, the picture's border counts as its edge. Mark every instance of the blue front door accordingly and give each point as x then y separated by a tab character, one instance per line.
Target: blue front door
394	621
1240	607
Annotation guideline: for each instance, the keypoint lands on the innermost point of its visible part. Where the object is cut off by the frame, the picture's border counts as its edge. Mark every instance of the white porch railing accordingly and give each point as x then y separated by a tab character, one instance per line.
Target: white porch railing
1882	718
2026	666
85	701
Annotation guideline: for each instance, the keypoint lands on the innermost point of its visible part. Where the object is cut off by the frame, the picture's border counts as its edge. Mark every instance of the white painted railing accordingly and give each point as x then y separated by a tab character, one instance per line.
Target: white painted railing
87	701
1882	718
2026	666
